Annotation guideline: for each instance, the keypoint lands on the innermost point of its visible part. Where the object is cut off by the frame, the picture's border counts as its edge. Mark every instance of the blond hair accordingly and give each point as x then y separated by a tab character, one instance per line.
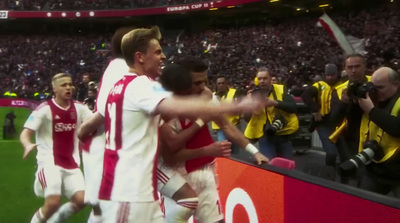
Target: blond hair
138	40
57	77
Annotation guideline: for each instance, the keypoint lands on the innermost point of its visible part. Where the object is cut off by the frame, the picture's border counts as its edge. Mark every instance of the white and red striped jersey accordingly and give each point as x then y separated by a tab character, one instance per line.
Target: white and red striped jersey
131	131
113	73
56	135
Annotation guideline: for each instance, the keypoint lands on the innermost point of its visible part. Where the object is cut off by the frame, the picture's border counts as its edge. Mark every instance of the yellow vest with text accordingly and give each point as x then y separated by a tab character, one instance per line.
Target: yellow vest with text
228	98
339	89
255	127
370	131
324	96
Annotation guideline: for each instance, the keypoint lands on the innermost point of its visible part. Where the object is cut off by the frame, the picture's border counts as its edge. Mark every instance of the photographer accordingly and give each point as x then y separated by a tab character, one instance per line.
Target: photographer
347	113
274	124
318	99
381	122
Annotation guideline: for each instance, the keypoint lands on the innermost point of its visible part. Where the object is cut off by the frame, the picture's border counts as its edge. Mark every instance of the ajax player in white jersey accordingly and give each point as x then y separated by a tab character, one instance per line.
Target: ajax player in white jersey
55	123
93	148
128	190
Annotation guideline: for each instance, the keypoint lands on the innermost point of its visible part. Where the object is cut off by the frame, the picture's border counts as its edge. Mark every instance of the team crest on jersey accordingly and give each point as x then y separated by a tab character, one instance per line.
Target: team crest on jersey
187	121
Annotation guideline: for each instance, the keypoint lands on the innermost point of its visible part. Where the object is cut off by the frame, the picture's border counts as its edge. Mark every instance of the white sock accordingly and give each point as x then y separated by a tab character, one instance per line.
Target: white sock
181	212
94	218
63	213
37	217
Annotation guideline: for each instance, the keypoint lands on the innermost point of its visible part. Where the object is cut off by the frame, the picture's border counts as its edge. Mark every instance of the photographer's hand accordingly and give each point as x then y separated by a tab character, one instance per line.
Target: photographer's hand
317	116
345	97
366	103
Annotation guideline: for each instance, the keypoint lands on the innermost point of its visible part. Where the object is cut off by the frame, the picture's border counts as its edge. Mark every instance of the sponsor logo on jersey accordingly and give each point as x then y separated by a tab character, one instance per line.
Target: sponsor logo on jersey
64	127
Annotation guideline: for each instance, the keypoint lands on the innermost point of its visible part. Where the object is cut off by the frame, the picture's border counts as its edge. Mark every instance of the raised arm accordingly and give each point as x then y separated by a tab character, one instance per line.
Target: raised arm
238	138
90	126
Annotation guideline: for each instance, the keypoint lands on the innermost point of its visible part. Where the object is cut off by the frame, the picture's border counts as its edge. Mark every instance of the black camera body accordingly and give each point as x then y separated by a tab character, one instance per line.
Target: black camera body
371	150
360	90
277	124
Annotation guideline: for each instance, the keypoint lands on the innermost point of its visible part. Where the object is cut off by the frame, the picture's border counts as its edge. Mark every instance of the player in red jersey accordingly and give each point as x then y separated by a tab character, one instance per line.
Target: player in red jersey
197	167
58	174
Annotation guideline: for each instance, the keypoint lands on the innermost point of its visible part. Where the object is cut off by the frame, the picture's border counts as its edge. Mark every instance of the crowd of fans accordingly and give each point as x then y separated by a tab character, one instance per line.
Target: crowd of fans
38	5
294	51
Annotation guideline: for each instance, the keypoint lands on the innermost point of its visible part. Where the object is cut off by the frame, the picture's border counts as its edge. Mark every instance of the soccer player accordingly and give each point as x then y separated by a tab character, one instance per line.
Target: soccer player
93	149
171	184
58	173
131	117
196	167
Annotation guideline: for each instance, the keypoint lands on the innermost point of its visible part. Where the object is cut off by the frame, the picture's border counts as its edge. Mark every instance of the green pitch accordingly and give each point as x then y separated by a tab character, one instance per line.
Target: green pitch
18	202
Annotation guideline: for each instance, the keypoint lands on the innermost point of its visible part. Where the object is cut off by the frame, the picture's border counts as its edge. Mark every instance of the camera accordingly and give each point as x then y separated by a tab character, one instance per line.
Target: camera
277	124
371	150
260	92
359	90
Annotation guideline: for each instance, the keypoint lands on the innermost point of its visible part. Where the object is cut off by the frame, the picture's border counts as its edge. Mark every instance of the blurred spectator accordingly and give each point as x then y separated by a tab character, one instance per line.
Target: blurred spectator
83	87
90	101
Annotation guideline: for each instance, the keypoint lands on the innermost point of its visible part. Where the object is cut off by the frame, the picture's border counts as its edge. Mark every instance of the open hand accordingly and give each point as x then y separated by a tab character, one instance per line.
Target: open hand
28	149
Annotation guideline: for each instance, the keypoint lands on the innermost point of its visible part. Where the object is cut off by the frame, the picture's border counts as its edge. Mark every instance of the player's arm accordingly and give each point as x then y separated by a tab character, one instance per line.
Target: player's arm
238	138
216	149
175	141
192	108
25	139
90	125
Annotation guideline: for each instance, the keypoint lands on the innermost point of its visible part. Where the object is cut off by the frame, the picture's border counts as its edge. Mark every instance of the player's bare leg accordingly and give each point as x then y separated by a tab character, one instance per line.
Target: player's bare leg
187	201
51	205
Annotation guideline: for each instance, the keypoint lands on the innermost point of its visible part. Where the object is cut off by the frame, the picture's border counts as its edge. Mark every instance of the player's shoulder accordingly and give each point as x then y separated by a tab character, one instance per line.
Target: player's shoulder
42	106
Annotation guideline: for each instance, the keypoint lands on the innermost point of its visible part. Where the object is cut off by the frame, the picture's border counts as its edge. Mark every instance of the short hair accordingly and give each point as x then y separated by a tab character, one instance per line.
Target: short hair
264	69
176	78
193	64
364	62
222	76
117	39
138	40
57	77
393	76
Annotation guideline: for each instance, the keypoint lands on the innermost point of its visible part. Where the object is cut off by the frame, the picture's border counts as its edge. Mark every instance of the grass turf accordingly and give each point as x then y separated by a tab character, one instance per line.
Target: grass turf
18	202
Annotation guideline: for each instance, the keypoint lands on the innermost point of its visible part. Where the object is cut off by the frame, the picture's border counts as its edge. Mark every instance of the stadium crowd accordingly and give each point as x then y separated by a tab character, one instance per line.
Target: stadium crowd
295	51
38	5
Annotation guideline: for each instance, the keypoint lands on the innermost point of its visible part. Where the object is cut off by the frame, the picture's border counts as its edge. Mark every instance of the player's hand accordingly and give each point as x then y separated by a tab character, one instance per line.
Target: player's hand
260	158
249	105
220	149
270	103
28	149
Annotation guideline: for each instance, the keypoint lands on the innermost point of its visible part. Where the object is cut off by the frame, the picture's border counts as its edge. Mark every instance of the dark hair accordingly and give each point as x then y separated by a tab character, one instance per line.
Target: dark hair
176	78
117	39
193	64
355	55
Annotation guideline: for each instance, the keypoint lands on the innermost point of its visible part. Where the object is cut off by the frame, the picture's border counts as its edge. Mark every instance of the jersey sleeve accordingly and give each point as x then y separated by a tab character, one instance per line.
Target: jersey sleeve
145	95
84	111
36	118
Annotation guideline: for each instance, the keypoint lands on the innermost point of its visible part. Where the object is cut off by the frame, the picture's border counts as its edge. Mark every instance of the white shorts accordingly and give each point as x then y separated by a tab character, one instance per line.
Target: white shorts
127	212
54	180
168	180
93	170
204	184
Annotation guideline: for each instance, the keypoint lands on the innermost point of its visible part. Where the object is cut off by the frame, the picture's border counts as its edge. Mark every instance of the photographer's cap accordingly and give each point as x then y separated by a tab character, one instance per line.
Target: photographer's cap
331	69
